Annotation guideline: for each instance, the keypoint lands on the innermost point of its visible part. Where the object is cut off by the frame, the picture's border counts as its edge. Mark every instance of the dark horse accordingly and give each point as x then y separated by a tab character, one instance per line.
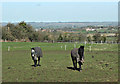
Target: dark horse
36	53
77	55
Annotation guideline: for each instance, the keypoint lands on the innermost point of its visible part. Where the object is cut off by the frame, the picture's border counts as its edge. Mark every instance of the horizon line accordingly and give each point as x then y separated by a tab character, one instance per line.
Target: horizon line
60	1
55	21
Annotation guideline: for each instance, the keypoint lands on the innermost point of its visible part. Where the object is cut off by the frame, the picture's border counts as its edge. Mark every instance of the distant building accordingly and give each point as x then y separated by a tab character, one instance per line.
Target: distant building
43	30
90	29
36	29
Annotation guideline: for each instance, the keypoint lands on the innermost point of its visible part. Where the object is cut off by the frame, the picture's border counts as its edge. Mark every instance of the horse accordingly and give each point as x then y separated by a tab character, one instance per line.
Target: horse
36	53
77	55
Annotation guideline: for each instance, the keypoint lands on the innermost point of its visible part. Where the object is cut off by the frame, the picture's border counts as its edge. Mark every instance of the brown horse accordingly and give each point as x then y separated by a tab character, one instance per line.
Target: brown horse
77	55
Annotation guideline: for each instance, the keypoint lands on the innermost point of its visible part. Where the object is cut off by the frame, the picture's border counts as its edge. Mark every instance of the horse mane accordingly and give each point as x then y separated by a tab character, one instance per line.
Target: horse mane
80	50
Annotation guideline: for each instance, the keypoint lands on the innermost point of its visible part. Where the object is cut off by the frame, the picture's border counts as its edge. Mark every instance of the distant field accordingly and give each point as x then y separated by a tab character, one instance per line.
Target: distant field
101	64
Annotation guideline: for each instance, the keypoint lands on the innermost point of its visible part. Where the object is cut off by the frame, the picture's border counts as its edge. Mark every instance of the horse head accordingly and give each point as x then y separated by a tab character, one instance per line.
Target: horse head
81	53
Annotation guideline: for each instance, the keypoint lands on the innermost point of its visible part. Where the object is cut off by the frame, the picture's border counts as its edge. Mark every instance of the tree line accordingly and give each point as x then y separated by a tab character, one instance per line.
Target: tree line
25	32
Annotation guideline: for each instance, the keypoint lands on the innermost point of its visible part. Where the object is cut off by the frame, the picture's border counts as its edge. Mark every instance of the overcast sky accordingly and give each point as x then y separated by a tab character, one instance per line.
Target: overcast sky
60	11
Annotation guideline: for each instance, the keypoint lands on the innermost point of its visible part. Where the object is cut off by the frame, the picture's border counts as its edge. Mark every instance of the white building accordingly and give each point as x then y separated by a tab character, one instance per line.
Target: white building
90	29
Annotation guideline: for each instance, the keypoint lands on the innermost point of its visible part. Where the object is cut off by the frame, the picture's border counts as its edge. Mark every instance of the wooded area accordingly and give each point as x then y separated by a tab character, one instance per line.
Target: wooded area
24	32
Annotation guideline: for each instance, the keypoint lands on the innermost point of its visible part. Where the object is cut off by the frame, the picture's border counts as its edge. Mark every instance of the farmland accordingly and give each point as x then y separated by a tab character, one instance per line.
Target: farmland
101	63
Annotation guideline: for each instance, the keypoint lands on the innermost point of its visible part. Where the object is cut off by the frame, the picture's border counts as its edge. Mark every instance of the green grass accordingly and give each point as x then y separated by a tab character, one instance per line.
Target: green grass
17	63
112	38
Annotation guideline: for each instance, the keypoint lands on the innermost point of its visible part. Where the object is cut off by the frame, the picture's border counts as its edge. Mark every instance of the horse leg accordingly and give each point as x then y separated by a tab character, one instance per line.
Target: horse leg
75	63
35	63
80	65
38	61
35	60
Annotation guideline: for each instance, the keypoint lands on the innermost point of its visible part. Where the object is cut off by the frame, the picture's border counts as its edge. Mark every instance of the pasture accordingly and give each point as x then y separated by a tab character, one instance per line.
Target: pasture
101	63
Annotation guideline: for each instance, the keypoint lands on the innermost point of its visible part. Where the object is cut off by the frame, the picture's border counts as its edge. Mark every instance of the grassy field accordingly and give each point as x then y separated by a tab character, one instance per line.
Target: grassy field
101	63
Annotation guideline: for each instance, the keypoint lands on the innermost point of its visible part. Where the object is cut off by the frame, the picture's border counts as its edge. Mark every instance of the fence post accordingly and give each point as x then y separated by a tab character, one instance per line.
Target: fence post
74	45
8	48
112	42
101	42
85	43
106	41
92	42
65	47
61	46
90	48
